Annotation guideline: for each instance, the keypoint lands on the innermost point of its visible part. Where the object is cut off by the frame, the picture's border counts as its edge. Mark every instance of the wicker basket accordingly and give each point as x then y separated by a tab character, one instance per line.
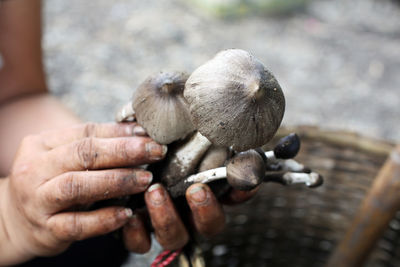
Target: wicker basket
298	226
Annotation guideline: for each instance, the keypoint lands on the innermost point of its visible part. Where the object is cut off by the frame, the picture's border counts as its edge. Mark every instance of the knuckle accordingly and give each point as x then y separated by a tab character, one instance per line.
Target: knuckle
73	228
121	149
86	153
68	229
70	189
89	129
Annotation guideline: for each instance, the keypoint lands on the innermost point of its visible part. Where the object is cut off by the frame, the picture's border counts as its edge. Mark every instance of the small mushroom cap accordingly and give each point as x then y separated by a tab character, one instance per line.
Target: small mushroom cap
245	170
234	101
161	108
287	147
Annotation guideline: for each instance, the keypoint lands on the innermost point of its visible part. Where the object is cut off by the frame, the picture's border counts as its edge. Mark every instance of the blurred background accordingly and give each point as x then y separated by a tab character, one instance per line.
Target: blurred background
338	62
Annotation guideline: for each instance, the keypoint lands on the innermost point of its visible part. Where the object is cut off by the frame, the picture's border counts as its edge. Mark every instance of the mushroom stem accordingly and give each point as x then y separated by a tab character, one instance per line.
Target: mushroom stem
125	113
271	156
292	165
284	177
311	180
184	159
285	165
207	176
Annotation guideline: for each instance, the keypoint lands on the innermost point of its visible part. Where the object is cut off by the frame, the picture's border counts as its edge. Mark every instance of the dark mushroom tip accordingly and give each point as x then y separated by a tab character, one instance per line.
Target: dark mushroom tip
287	147
319	181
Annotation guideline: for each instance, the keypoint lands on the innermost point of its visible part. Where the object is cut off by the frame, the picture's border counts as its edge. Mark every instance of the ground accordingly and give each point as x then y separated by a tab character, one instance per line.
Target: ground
338	62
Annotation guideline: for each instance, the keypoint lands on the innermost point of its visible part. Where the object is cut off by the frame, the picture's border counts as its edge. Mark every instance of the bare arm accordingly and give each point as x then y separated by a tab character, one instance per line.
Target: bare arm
25	106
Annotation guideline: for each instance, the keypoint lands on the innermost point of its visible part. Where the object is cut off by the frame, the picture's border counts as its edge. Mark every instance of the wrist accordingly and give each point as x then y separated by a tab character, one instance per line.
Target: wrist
10	251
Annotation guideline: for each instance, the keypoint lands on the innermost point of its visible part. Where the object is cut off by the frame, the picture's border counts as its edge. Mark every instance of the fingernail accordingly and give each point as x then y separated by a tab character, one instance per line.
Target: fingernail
156	151
139	130
144	178
156	194
124	213
198	194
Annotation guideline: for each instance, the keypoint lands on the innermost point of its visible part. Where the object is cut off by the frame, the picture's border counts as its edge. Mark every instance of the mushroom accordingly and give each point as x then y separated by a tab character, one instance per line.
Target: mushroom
248	169
287	147
161	109
234	102
311	179
245	170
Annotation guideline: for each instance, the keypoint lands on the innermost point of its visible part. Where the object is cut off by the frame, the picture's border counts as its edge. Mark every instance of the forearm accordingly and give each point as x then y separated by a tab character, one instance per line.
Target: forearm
29	115
20	46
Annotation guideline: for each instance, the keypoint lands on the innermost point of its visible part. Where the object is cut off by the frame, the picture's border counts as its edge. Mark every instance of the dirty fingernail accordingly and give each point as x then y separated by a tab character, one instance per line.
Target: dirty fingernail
198	194
124	213
139	130
156	151
144	178
156	194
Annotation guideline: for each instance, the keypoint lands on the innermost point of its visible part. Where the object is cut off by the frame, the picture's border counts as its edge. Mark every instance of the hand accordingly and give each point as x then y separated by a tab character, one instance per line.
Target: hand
57	171
206	215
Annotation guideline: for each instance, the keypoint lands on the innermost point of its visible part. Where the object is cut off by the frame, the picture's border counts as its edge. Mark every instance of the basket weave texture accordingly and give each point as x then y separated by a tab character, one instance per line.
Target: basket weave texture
298	226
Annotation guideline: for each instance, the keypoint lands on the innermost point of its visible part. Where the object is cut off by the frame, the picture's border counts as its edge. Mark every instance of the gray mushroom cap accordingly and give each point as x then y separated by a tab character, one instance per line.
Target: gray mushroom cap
234	101
161	108
245	170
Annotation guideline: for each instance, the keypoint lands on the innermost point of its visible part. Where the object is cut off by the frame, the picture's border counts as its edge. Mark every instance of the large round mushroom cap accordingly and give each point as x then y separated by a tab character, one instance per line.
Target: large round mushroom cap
161	108
234	101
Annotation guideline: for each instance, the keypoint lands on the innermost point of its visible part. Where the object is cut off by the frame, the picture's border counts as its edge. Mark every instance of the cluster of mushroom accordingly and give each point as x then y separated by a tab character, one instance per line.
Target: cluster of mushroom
214	122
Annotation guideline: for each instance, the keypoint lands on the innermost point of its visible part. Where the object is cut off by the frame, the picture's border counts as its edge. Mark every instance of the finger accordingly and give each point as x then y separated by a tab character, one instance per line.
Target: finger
56	138
135	235
208	216
73	188
237	196
72	226
168	227
99	153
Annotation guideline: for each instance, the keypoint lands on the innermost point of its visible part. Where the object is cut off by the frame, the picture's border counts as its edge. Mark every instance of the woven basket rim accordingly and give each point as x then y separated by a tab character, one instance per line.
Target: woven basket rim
341	138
